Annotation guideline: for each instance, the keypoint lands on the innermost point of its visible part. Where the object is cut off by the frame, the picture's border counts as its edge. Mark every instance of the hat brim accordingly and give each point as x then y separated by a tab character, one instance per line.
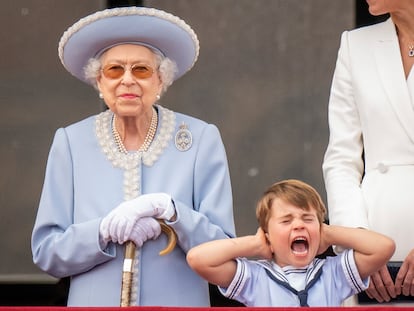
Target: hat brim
151	27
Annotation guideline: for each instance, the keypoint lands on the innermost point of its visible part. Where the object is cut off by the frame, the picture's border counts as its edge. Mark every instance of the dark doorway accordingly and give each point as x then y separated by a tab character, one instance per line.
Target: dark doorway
363	17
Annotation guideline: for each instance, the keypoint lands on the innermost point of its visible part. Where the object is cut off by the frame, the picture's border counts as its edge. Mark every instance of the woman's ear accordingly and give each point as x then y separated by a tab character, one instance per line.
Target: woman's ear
98	83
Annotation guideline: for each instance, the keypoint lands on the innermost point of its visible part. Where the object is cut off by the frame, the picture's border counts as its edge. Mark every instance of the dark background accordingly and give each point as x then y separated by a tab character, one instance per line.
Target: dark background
263	77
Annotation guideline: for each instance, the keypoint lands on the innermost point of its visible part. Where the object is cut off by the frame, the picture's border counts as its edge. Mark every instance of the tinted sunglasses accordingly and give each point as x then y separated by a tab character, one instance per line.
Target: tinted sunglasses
116	71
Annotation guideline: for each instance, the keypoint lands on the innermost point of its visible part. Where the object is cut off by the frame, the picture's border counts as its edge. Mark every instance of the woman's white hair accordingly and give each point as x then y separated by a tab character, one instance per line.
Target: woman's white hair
167	69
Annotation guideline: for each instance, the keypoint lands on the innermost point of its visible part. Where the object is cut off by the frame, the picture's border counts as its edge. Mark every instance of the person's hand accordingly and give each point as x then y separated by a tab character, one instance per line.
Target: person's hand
118	224
146	228
323	243
405	277
381	287
264	250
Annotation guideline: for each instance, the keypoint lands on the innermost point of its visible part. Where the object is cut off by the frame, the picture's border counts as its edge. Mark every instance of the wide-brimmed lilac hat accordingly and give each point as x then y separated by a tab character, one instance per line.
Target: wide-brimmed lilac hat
95	33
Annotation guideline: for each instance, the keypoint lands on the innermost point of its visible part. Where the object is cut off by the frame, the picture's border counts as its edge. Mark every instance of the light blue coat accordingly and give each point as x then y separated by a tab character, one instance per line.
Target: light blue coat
82	185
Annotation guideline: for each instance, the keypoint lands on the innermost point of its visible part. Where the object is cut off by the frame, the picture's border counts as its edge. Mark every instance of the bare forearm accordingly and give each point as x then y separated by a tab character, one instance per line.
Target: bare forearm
361	240
215	253
215	260
371	249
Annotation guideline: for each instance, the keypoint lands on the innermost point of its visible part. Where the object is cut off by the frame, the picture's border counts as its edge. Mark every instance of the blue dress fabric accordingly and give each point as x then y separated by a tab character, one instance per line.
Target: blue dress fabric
86	177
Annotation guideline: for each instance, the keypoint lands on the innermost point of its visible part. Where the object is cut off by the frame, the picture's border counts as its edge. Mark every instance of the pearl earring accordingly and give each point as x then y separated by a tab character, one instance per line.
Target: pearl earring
100	96
158	97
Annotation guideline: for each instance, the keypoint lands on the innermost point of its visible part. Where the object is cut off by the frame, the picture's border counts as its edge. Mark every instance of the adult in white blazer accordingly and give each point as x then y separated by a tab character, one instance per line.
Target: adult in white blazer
111	177
369	162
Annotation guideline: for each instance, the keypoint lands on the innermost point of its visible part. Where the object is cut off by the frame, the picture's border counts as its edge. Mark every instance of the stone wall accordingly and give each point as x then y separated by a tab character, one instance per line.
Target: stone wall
263	78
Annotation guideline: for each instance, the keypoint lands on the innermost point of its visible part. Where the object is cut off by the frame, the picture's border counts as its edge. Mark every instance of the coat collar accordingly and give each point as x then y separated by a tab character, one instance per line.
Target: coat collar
391	72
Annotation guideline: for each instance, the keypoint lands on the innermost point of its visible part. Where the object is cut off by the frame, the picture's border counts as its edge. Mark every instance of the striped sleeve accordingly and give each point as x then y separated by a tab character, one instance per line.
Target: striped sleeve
351	272
238	281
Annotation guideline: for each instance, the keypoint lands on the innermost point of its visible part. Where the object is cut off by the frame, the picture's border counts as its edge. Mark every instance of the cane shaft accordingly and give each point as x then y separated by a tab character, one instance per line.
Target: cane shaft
128	268
127	274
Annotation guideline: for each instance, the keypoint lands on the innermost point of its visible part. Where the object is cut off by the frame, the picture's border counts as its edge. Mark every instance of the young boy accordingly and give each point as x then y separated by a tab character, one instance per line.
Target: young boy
286	271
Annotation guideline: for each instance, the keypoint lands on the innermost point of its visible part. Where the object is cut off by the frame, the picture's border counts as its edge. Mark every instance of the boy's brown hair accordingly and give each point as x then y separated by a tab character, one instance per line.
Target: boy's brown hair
295	192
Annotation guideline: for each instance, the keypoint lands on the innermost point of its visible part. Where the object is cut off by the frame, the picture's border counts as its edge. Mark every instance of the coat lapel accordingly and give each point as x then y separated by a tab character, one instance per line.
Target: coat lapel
391	73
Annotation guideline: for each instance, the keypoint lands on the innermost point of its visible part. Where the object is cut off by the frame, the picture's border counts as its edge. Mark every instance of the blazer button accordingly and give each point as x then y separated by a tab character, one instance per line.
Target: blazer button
382	168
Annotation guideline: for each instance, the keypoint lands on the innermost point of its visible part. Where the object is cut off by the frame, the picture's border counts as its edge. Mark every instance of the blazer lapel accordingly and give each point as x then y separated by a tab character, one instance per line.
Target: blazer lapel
391	73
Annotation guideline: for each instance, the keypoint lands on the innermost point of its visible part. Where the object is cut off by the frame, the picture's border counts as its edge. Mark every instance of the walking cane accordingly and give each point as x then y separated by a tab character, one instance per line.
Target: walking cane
127	269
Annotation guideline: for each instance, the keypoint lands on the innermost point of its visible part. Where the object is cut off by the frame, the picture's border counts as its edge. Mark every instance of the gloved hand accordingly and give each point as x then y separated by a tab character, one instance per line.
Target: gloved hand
145	228
118	224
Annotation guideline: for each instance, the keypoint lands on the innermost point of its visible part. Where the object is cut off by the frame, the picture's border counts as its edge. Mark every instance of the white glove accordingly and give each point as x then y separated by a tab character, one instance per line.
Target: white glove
146	228
118	224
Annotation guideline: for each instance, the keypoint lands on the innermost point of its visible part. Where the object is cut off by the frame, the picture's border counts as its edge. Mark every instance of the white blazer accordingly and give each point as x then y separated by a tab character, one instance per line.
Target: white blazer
369	163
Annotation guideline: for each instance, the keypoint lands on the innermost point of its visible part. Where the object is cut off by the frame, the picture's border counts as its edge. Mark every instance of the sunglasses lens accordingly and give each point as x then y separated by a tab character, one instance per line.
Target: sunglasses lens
113	71
117	71
142	72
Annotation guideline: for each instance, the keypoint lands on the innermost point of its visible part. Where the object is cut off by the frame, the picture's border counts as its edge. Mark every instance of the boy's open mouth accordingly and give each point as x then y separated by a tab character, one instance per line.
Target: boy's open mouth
300	245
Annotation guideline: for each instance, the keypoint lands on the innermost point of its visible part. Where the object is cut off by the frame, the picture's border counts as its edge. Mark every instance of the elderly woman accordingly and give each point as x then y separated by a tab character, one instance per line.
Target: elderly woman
110	178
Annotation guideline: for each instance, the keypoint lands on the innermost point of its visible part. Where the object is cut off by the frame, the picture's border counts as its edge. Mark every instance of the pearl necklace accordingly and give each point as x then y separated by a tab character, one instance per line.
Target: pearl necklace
148	139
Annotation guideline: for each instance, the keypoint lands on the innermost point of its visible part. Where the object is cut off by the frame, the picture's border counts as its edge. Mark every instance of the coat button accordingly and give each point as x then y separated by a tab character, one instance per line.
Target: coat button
382	168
